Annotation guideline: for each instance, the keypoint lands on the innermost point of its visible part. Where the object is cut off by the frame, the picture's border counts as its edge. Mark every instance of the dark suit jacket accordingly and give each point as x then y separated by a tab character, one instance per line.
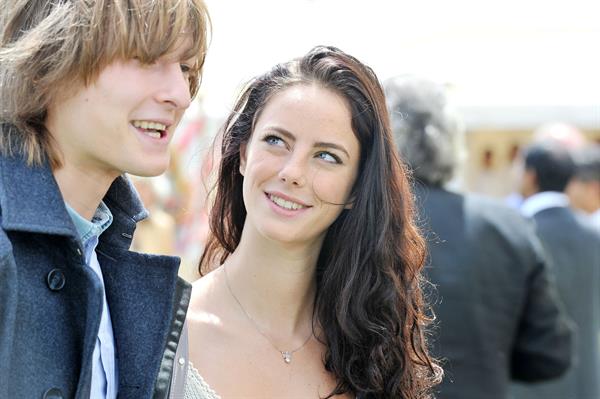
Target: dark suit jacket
498	315
574	251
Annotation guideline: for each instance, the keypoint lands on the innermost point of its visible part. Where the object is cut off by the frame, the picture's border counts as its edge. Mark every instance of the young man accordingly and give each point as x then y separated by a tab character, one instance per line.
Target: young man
89	91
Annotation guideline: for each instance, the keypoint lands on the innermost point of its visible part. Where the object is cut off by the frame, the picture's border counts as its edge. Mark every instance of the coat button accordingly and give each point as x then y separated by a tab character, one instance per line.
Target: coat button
55	279
53	393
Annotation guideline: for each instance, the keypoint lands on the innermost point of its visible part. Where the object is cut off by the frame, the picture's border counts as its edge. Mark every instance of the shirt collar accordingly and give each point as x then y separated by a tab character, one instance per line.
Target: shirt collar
596	218
88	229
540	201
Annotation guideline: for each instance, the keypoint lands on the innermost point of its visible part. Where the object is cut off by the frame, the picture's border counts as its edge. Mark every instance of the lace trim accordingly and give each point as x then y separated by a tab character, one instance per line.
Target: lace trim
196	387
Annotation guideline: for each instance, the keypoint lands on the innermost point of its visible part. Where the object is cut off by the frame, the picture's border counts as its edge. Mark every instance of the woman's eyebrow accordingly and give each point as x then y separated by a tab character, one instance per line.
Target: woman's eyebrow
320	144
286	133
323	144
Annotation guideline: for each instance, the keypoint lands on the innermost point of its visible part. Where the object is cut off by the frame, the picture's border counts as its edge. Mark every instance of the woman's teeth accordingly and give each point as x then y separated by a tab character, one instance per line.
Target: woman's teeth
285	204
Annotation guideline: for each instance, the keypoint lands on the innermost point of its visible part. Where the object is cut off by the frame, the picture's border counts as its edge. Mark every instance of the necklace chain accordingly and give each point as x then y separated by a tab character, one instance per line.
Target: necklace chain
287	355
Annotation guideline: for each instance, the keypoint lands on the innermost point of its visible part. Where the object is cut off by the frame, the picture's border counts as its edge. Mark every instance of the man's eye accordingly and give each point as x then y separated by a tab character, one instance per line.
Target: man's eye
329	157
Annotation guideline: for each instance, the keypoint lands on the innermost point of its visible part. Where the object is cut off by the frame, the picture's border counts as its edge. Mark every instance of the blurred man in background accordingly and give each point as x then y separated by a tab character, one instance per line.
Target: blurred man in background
584	187
498	314
574	251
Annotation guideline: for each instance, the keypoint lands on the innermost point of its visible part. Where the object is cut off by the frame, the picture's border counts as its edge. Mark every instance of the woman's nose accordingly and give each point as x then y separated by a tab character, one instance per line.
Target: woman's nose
293	171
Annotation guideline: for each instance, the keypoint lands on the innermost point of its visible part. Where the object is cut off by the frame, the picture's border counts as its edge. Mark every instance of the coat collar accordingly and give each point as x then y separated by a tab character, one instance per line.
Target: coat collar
30	200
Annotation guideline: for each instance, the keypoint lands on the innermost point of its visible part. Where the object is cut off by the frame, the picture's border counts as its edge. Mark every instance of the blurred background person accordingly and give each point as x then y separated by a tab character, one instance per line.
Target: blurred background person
584	187
563	134
574	251
497	311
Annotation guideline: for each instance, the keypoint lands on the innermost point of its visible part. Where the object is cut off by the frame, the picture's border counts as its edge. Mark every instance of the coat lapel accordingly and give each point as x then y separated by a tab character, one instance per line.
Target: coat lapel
140	290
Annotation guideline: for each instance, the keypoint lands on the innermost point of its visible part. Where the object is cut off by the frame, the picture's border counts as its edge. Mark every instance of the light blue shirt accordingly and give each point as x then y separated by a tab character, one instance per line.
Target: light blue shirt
544	200
104	364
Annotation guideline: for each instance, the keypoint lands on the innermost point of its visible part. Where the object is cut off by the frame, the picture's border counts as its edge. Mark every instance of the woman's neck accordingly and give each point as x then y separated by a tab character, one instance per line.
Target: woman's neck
274	283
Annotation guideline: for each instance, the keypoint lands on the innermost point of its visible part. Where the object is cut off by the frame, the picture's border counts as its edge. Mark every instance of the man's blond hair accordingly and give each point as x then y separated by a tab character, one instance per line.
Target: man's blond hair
50	47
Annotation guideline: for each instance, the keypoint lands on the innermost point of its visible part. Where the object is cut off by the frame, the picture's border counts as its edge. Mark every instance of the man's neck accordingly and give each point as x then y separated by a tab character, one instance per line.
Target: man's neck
81	189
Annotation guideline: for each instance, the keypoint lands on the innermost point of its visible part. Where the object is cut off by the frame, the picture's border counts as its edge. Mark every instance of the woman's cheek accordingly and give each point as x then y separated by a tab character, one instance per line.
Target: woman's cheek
334	189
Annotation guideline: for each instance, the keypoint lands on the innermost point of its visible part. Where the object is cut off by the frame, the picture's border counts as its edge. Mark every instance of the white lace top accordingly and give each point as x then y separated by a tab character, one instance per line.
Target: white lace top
196	387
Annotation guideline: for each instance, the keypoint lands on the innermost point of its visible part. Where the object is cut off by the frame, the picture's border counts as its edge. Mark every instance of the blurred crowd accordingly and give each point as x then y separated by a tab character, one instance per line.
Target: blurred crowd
516	292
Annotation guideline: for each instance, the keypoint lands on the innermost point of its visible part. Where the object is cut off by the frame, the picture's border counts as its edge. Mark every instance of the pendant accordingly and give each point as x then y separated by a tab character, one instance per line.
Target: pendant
287	357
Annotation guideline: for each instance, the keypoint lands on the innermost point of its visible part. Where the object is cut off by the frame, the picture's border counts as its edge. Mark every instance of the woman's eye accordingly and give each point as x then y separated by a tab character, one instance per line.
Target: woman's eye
329	157
274	140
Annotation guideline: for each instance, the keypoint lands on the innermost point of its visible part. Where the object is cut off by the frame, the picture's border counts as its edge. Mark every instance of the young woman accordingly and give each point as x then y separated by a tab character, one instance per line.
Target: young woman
315	282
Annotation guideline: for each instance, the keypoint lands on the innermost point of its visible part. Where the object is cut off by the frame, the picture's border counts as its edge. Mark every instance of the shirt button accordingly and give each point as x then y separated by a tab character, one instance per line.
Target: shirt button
53	393
56	281
181	361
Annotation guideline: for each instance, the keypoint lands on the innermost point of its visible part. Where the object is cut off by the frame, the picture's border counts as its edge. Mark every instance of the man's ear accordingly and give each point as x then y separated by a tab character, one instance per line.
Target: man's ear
529	183
243	147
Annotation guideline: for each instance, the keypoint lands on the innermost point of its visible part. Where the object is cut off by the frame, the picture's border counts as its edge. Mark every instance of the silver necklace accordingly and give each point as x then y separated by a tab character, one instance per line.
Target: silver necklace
287	355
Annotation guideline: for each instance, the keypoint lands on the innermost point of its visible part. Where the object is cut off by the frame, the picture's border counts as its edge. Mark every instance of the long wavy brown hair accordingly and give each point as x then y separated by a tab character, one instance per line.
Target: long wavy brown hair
369	303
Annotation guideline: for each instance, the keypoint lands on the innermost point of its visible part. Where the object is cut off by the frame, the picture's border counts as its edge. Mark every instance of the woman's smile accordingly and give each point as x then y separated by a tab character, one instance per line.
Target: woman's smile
286	206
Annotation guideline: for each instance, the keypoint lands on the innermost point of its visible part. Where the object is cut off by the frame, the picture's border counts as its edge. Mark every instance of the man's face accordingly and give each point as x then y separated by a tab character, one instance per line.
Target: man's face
124	120
584	195
528	185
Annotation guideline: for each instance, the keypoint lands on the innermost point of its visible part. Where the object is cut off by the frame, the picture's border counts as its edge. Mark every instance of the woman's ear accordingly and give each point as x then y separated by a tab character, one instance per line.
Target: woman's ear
243	147
350	203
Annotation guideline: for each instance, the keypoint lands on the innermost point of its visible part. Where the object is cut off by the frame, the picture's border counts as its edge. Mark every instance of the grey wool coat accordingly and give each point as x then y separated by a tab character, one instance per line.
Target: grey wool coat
51	301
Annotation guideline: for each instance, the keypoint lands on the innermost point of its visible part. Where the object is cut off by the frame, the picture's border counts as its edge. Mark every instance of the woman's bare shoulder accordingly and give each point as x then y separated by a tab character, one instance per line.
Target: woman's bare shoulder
207	294
209	330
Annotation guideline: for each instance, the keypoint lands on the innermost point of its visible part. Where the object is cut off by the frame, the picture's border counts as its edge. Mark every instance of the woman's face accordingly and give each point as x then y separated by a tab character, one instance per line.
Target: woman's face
299	165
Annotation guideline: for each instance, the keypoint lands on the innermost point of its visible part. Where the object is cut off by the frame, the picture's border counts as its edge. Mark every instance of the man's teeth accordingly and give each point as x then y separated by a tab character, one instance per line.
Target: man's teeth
149	125
285	204
154	135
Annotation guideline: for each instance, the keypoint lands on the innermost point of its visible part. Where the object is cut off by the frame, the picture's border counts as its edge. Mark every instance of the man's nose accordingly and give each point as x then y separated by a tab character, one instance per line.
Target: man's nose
175	87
